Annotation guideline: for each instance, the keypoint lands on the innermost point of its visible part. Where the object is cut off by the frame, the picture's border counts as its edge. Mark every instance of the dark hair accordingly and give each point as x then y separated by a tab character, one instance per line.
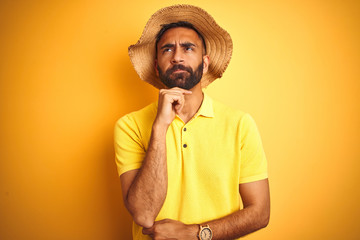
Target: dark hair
184	24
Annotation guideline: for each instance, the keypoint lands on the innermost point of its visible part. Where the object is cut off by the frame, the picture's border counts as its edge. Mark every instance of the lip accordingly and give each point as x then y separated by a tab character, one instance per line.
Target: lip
179	71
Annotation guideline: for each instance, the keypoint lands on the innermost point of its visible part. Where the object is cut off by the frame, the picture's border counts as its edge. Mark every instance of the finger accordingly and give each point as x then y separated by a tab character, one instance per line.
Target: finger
180	90
184	91
172	90
174	98
187	92
173	95
178	108
165	92
147	231
180	103
165	220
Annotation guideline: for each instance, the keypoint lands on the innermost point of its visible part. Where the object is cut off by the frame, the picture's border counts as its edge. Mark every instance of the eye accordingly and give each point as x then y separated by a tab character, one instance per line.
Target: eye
188	49
167	50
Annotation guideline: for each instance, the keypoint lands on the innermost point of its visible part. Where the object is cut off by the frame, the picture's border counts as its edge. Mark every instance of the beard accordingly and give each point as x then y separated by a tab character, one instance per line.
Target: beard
185	80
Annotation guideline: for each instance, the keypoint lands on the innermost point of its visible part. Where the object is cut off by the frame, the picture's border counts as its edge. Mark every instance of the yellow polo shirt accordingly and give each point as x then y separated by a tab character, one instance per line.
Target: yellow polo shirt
207	159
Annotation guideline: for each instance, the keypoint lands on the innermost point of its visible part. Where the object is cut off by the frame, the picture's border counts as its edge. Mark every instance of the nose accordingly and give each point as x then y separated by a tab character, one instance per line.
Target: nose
177	56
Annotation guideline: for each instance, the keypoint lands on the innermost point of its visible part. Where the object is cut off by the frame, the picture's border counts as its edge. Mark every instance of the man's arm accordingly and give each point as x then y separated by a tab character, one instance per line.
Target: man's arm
254	216
144	190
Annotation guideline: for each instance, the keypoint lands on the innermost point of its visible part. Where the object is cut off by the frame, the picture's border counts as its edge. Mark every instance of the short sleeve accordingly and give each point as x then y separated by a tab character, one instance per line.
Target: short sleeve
129	150
253	166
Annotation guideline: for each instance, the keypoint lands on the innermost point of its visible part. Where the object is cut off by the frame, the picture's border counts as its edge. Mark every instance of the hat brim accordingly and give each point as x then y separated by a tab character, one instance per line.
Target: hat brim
218	43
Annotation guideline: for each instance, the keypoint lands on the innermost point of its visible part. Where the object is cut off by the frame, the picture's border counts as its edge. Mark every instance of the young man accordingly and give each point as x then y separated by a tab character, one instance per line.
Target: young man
186	162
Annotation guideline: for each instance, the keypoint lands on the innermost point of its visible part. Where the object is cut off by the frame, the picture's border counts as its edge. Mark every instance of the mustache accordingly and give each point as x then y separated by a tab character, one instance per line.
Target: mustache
178	67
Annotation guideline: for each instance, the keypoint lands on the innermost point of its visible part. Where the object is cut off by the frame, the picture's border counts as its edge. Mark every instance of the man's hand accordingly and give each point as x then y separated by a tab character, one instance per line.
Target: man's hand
171	101
171	229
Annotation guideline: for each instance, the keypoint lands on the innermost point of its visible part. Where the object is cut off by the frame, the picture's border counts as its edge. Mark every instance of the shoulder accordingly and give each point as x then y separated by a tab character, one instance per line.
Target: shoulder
224	111
140	118
230	116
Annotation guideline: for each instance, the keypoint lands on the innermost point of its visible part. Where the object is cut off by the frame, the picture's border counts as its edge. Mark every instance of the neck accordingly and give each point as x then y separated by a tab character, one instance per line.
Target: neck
192	103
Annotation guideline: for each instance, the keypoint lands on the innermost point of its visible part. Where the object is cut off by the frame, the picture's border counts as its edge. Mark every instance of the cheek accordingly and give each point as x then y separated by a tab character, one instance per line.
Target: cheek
163	65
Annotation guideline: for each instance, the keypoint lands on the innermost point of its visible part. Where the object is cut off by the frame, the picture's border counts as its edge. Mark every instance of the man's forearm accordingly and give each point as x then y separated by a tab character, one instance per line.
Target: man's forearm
147	193
254	216
233	226
239	224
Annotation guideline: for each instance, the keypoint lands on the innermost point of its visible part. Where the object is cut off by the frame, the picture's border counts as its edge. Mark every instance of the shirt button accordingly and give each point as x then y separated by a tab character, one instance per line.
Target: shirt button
185	145
184	129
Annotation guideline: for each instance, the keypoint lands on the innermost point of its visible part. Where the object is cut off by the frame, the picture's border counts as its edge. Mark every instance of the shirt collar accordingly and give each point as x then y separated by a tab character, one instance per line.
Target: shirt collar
206	108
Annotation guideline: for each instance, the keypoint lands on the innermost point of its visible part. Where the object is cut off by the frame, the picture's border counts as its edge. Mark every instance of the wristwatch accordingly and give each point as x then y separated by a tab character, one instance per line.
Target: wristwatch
205	233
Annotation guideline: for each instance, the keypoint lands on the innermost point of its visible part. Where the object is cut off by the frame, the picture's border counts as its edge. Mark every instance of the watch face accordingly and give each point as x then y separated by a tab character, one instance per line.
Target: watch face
205	234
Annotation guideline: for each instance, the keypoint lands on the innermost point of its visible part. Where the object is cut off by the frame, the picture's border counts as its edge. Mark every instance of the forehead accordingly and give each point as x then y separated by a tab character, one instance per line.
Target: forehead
180	34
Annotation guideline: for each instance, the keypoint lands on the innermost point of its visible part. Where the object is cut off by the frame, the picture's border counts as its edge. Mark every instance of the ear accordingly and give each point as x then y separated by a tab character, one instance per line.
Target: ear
156	67
206	60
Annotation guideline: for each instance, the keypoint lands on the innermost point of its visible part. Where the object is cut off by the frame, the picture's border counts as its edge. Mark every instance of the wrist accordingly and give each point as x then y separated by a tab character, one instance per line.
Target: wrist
205	232
192	231
159	127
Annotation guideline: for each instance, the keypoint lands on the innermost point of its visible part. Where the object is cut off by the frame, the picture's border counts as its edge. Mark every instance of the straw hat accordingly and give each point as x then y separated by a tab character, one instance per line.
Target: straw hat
218	42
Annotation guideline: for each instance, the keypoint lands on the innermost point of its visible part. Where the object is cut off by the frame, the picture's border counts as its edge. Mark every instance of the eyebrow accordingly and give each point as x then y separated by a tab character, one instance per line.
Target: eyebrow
185	44
169	45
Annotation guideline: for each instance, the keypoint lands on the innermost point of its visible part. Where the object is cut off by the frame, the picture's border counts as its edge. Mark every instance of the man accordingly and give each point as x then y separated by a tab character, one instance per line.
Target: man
185	160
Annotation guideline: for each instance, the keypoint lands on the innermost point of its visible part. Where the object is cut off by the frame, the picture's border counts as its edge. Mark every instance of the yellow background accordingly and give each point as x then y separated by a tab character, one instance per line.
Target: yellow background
65	78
